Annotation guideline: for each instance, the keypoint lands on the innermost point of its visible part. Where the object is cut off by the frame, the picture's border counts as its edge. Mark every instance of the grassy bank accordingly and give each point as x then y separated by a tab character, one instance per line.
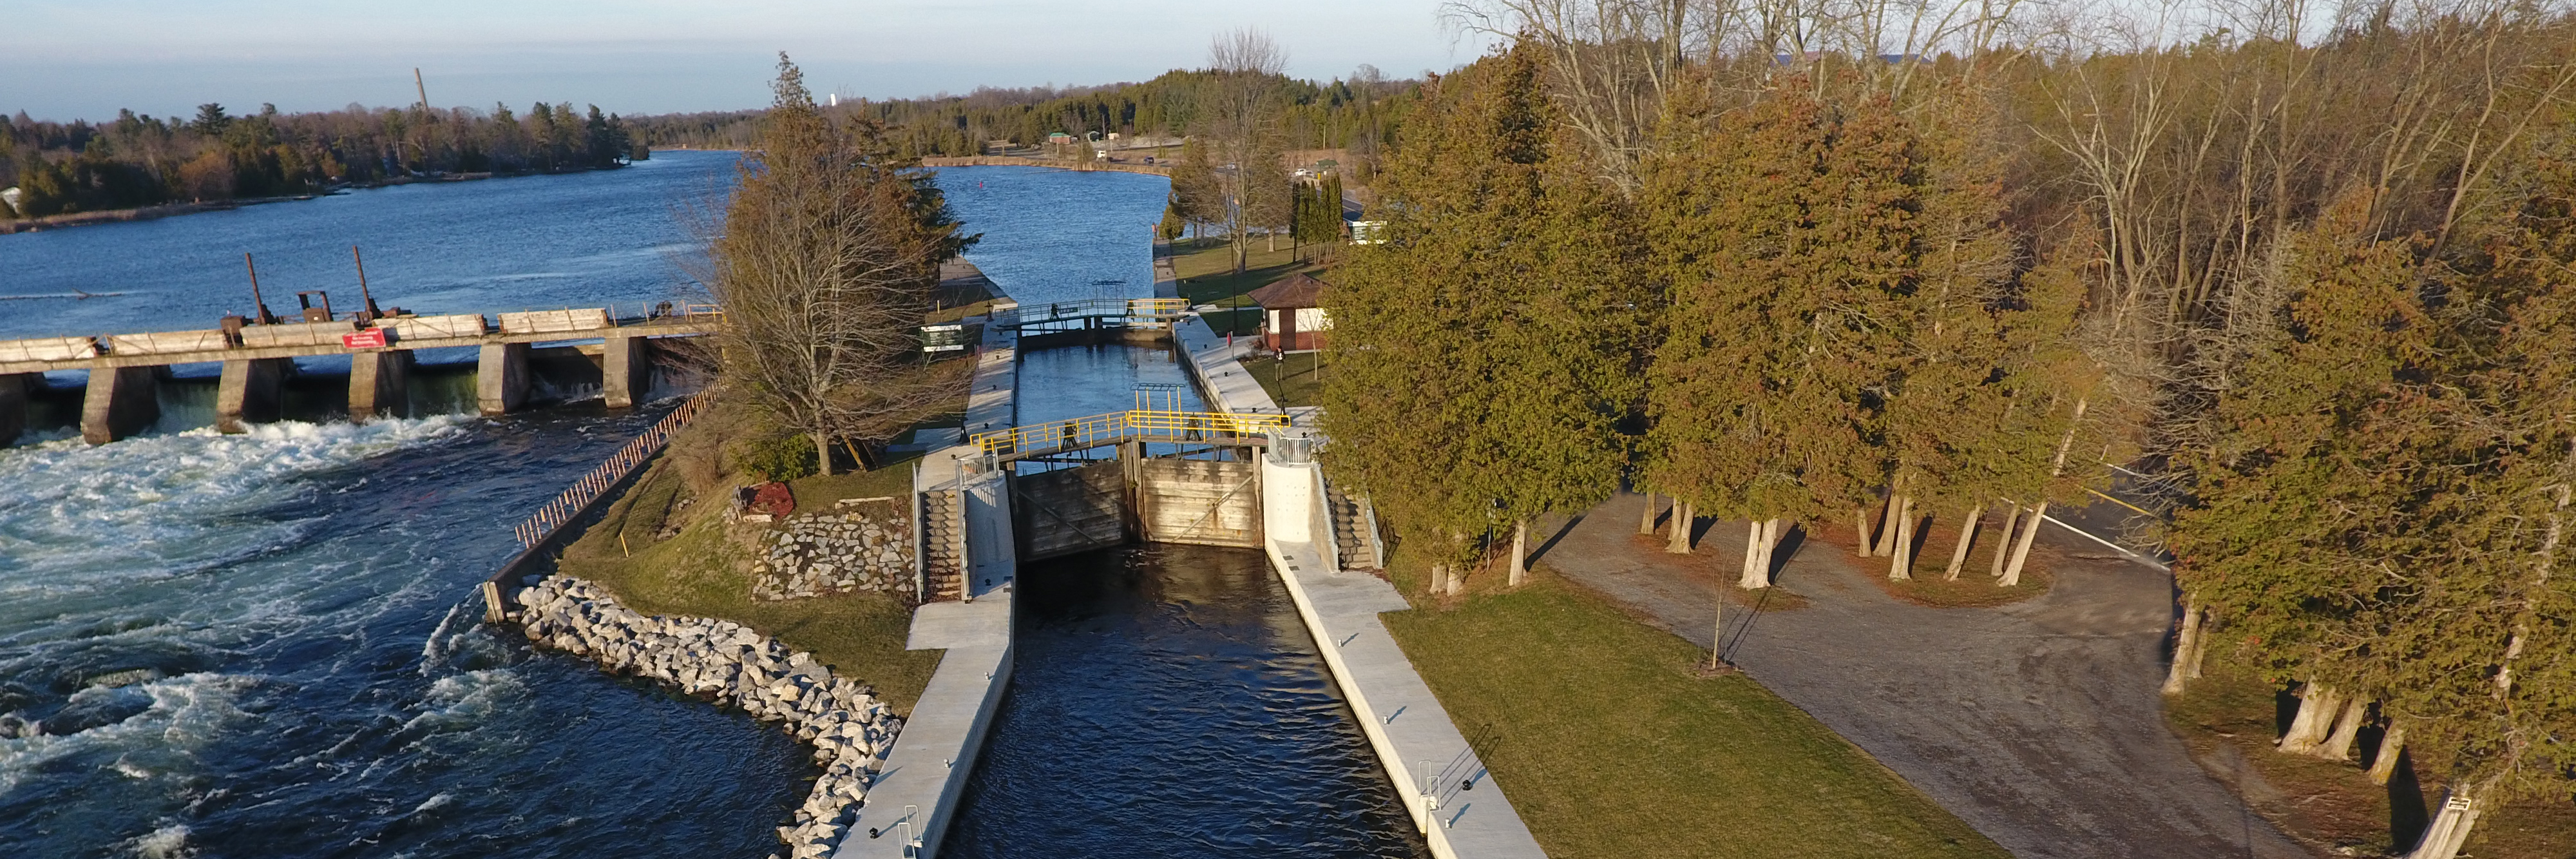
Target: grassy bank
1612	745
665	548
1206	271
1295	380
2230	718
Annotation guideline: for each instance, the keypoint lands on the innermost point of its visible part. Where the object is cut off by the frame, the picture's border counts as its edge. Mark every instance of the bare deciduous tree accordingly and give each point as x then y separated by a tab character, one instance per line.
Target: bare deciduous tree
1245	184
825	264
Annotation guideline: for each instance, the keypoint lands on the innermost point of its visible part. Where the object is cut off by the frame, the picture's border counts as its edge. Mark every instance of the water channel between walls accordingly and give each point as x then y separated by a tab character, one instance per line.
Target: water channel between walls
1142	700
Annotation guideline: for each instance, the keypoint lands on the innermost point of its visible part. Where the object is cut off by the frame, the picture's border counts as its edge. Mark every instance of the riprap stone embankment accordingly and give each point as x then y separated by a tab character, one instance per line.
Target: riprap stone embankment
865	546
850	729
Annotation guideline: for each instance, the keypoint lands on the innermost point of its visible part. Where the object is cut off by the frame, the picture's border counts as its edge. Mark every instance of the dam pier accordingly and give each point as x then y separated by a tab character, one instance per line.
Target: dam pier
125	370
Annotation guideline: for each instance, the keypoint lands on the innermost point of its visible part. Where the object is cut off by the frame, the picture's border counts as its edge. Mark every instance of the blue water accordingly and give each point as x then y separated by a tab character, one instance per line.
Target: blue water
1059	235
581	239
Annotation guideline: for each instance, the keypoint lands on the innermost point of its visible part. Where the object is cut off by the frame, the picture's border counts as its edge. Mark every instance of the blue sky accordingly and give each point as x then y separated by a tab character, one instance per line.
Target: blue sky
84	60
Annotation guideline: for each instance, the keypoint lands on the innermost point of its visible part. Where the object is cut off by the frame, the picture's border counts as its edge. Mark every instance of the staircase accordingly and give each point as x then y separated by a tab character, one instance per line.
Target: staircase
1351	541
943	546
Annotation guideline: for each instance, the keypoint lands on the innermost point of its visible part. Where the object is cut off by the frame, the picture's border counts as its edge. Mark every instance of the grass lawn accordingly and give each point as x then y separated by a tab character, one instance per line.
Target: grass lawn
1613	746
2231	713
704	571
1206	270
1295	380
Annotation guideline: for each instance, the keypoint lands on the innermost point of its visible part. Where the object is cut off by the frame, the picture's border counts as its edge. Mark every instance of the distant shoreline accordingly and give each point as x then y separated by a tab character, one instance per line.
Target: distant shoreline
165	210
1020	161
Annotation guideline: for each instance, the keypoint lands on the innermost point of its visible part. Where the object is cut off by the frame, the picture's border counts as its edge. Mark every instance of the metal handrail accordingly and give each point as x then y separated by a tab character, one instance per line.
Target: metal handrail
606	475
1158	309
1097	429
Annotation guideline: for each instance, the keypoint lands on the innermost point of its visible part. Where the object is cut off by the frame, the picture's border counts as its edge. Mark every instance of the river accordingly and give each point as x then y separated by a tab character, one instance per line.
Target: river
260	645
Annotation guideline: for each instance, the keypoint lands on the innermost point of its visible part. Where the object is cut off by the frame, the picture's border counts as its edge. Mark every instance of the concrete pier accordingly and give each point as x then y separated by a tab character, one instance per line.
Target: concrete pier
120	403
14	390
252	391
625	371
379	384
501	378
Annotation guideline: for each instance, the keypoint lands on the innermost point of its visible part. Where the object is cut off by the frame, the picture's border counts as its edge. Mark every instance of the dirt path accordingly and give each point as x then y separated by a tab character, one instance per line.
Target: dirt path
2037	723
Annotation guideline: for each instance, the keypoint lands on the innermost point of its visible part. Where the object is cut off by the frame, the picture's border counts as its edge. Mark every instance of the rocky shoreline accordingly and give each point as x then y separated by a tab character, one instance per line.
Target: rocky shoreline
850	729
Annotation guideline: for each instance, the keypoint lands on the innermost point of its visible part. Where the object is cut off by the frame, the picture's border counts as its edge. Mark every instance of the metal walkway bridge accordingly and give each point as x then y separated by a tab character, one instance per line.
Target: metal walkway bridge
1091	313
1144	425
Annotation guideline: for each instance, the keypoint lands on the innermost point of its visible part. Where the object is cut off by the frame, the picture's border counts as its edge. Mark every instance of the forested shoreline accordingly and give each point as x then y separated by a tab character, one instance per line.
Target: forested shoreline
1360	112
136	160
2311	271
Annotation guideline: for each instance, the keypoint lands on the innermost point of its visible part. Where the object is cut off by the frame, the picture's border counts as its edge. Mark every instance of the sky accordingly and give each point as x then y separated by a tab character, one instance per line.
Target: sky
84	60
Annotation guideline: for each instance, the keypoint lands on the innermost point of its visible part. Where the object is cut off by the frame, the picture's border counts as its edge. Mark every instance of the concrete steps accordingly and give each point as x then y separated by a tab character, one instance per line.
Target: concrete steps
1350	530
943	545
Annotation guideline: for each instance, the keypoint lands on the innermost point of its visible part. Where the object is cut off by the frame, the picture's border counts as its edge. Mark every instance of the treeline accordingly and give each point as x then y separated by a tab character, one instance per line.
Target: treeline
2322	289
142	160
1358	112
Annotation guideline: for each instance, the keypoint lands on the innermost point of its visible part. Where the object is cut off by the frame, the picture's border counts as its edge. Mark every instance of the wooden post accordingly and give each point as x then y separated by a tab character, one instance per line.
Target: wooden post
493	610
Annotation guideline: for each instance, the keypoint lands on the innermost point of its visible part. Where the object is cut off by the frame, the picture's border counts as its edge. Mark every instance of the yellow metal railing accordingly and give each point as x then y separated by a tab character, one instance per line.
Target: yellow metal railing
1114	426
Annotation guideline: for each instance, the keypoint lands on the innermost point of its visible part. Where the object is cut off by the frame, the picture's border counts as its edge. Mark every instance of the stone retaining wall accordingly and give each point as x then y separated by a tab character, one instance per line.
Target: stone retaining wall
865	545
851	731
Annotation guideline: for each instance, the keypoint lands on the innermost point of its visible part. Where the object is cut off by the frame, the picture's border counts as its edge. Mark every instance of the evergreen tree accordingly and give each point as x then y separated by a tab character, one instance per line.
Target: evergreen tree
1485	354
1785	232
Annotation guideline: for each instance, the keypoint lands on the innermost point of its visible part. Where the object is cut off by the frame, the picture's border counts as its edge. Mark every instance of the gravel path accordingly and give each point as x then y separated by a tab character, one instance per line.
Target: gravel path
2038	723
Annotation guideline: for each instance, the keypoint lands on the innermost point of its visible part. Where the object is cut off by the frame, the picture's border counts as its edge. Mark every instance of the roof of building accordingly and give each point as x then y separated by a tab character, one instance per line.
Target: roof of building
1291	292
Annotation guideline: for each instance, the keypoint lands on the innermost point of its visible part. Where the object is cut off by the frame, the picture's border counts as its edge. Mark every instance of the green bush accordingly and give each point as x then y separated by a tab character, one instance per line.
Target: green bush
778	457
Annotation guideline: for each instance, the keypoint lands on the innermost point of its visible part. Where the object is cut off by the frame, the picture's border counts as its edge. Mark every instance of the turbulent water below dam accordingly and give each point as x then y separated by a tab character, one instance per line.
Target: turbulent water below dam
265	645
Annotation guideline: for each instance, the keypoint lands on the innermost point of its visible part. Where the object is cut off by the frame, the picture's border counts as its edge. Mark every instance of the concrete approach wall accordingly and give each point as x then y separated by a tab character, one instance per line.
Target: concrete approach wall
1199	501
1453	800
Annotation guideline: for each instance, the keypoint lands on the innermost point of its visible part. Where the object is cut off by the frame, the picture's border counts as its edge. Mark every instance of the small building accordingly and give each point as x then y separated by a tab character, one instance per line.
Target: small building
1292	314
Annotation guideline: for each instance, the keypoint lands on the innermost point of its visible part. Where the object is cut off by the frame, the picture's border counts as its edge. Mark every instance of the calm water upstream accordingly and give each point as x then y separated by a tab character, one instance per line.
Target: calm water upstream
259	646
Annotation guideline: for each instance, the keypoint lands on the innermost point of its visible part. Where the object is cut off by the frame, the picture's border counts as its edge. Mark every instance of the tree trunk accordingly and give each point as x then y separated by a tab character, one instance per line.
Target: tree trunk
822	454
1771	530
1646	520
2021	550
1887	524
2450	829
1753	555
1861	523
2003	547
1680	544
1900	551
1439	579
2185	642
2338	746
2391	747
1967	536
1520	553
2317	709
